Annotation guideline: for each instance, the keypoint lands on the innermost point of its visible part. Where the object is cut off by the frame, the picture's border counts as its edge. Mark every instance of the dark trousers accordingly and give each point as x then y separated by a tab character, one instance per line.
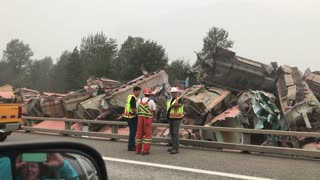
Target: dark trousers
132	123
174	126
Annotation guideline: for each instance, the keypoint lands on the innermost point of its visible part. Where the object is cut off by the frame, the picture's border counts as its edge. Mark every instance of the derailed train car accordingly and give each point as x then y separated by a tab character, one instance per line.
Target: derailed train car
227	70
232	92
268	97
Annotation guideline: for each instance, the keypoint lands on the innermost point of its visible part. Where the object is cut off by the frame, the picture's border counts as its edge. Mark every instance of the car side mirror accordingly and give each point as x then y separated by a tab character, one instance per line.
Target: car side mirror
51	160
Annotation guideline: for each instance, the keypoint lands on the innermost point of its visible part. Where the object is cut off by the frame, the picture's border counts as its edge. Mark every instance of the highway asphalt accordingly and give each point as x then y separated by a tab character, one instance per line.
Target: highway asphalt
189	163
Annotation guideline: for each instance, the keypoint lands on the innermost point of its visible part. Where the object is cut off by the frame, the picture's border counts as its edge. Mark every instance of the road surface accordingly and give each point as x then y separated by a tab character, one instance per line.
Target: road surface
189	163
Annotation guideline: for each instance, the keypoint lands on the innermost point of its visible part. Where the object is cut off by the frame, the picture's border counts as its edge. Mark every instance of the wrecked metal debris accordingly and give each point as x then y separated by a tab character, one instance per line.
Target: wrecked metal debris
200	101
6	94
261	111
258	84
71	101
110	105
313	80
6	88
226	70
299	105
104	82
105	105
152	80
230	118
24	94
202	104
52	106
91	108
233	92
32	108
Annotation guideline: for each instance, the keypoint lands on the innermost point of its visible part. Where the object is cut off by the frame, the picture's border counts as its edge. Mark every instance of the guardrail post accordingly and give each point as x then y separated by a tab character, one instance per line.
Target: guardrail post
246	140
67	126
114	130
29	123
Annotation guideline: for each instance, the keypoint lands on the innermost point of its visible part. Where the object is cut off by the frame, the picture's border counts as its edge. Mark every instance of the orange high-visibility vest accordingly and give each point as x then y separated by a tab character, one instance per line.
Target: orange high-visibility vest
144	109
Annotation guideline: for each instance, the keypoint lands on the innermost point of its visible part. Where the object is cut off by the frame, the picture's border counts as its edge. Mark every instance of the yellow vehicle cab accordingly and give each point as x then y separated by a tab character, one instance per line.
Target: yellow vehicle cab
10	119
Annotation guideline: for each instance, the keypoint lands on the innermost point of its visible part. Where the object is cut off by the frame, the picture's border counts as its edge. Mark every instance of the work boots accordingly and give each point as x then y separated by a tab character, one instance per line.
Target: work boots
173	151
132	148
170	149
145	153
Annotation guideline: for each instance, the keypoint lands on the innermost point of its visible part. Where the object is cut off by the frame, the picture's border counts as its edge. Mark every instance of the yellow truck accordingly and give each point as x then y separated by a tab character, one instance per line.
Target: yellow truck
10	119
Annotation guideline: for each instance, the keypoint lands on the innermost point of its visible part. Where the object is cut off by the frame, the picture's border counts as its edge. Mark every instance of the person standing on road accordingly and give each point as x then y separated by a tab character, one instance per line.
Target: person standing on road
130	115
146	114
175	114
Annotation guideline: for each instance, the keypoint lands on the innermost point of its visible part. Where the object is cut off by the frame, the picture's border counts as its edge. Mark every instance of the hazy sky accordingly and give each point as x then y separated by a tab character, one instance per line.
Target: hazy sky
286	31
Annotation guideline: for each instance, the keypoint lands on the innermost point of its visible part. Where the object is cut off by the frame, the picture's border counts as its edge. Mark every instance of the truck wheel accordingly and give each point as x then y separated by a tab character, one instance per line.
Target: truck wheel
3	137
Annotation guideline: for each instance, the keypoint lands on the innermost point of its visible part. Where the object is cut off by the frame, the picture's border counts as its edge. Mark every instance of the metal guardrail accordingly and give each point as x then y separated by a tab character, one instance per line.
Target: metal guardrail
197	143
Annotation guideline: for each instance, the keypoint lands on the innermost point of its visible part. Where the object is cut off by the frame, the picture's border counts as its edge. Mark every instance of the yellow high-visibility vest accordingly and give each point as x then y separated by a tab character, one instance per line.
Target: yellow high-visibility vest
174	112
128	113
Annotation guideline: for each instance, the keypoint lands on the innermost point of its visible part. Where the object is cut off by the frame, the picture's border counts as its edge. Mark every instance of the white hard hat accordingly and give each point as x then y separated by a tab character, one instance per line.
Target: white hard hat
174	90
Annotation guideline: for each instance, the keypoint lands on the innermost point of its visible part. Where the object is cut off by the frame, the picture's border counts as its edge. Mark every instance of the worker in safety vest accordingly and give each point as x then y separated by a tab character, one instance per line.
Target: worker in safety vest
146	114
130	115
175	114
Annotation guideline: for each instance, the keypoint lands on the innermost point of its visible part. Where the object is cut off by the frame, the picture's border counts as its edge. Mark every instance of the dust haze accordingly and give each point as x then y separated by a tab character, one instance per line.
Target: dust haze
285	31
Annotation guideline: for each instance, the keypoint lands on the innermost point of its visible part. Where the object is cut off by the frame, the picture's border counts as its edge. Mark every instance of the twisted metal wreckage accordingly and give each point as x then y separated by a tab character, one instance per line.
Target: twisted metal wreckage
232	92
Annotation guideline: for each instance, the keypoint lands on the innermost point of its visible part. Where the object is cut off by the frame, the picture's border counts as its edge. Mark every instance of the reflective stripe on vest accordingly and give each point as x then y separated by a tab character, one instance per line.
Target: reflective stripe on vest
128	113
144	109
174	112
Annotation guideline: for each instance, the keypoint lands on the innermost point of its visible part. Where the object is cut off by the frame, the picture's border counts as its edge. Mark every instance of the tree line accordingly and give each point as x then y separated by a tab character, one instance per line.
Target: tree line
98	56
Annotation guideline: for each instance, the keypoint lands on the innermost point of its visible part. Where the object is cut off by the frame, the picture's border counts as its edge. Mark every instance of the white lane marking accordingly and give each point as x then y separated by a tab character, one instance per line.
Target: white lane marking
185	169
